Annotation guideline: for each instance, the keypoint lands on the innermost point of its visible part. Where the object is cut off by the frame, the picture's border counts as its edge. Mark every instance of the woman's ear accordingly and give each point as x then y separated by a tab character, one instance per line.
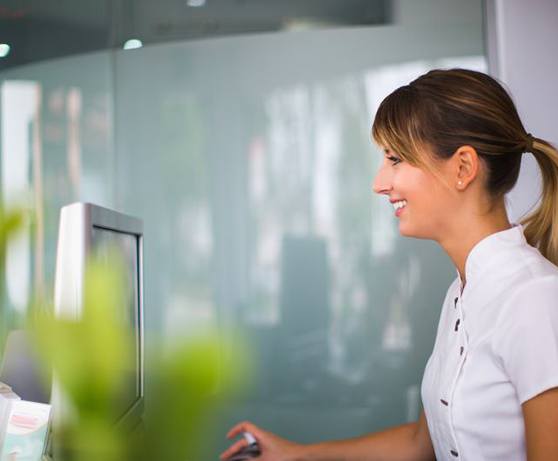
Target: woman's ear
466	166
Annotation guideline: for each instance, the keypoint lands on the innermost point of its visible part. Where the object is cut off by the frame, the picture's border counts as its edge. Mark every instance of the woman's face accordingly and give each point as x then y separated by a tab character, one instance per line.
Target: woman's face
422	203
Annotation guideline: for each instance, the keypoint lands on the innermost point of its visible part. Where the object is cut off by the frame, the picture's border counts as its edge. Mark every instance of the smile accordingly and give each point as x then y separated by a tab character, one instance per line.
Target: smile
399	205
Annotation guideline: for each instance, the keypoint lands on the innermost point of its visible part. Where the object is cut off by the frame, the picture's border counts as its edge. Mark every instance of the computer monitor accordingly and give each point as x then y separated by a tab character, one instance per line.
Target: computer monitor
87	230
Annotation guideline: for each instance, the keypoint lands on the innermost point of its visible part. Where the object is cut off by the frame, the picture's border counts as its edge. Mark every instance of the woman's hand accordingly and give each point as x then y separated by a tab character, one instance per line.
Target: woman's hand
272	447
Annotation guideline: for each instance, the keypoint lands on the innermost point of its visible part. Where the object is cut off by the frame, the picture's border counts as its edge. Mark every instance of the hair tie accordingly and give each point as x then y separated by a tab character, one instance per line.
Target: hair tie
529	142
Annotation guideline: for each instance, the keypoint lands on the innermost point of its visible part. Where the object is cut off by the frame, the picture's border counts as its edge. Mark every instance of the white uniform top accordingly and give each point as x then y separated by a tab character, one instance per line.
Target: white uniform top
496	347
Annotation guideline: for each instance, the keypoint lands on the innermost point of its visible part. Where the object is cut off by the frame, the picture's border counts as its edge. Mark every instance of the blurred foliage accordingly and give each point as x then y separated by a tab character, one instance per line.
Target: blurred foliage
188	386
92	358
88	353
11	222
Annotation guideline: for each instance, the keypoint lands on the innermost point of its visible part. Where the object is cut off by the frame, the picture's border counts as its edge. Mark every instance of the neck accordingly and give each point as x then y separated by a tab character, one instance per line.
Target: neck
465	234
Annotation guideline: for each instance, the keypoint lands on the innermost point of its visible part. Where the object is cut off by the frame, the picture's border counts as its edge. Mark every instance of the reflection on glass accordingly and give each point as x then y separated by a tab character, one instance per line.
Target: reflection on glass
55	143
249	159
73	143
19	114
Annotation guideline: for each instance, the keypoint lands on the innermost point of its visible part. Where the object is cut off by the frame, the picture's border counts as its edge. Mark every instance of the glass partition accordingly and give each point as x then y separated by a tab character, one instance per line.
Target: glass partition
250	161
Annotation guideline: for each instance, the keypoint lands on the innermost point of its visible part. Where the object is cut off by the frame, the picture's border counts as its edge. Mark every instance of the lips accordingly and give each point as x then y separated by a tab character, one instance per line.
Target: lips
399	205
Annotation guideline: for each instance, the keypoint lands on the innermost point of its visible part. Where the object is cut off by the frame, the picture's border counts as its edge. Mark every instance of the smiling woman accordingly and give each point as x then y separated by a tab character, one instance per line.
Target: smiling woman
452	144
458	142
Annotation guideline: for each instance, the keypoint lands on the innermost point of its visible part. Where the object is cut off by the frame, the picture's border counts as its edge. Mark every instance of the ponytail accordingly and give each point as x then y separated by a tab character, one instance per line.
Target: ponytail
541	226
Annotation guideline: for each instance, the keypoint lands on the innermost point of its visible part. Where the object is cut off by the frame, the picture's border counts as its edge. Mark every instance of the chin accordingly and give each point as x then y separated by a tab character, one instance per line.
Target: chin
404	230
407	231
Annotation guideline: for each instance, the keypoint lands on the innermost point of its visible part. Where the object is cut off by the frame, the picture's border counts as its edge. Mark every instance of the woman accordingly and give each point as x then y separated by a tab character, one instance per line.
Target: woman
453	142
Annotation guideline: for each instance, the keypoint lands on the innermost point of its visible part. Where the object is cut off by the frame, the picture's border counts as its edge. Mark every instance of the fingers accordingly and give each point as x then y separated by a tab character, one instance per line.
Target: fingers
234	448
244	426
237	430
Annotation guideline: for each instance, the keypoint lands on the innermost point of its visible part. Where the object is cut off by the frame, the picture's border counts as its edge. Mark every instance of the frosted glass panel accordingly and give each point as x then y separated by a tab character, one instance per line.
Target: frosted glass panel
57	147
249	159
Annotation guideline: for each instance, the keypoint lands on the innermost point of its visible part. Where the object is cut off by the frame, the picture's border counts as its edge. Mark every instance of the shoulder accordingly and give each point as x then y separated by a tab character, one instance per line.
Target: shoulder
525	272
531	302
534	264
525	285
539	288
535	278
525	337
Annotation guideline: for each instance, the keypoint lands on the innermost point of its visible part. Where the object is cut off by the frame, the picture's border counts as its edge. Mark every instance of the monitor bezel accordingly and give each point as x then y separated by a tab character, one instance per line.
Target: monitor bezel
77	222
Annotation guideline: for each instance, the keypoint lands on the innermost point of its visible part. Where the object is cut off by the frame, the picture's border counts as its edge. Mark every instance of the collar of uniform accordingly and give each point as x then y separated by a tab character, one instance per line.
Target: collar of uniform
487	250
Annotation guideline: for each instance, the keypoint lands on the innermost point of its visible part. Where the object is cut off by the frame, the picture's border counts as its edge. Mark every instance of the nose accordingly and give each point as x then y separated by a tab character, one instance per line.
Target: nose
382	182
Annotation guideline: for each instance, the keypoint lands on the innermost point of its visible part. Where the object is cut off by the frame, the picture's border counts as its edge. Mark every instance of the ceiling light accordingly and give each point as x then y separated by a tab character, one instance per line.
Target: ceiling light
4	50
195	3
132	44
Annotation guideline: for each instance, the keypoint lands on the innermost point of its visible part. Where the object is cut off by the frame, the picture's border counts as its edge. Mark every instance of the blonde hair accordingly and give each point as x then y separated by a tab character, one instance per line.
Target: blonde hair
442	110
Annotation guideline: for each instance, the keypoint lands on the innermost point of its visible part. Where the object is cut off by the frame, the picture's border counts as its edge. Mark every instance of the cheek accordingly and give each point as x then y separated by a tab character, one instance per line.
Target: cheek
421	188
429	202
434	198
413	184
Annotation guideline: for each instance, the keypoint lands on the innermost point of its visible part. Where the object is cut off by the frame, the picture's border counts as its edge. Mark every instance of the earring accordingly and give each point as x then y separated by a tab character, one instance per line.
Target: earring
459	183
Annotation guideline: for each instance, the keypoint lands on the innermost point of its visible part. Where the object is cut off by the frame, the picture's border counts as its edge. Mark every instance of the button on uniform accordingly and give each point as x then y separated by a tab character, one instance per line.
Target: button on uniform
447	371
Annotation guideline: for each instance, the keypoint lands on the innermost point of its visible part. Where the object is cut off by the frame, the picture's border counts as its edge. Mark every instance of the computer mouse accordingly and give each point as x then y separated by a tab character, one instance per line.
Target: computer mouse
252	450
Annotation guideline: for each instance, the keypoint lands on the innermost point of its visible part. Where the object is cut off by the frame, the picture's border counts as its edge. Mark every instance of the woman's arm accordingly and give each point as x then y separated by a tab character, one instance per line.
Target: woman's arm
408	442
541	426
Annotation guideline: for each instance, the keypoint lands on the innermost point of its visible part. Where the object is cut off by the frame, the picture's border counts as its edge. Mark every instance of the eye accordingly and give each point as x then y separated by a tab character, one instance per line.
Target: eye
393	160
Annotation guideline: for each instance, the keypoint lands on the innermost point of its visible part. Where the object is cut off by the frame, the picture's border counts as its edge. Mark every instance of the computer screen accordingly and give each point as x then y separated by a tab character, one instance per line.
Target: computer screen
105	243
89	231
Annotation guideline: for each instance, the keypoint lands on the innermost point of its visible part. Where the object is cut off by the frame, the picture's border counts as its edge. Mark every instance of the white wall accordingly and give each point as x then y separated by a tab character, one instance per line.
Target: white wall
522	41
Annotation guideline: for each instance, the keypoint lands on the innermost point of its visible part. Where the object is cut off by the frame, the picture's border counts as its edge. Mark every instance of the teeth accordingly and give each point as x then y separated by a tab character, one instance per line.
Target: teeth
399	204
